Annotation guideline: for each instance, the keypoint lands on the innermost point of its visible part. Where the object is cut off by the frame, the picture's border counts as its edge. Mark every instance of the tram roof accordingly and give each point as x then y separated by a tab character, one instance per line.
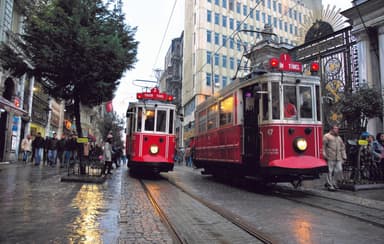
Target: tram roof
148	102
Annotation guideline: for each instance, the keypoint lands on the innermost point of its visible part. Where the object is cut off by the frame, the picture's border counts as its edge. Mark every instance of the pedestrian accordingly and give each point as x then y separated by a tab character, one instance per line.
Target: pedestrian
366	157
378	153
188	157
38	145
107	156
334	153
74	147
45	151
26	147
67	151
124	156
51	145
61	149
116	155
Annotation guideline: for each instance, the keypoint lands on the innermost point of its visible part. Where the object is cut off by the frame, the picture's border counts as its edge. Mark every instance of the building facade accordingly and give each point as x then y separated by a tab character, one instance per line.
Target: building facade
171	79
218	32
12	112
25	107
367	20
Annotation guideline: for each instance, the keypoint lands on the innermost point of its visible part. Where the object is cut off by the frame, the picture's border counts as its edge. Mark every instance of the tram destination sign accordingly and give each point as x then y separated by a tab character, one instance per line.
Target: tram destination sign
286	64
154	95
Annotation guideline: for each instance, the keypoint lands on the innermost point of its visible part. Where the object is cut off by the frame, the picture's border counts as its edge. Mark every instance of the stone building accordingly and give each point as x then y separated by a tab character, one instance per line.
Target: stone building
367	20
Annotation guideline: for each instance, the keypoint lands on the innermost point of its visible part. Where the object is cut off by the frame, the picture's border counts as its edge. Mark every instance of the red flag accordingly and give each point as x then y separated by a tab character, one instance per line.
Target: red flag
109	107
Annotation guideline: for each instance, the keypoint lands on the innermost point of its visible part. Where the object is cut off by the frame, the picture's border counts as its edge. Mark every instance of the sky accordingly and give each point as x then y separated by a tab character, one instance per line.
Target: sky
151	19
154	40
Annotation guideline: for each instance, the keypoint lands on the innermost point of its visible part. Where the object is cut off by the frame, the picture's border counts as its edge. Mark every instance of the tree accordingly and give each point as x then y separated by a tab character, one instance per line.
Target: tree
79	49
358	107
112	123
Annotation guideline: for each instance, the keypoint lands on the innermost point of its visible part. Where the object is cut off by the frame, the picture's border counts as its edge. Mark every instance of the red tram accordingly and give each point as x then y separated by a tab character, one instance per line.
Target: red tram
266	125
150	132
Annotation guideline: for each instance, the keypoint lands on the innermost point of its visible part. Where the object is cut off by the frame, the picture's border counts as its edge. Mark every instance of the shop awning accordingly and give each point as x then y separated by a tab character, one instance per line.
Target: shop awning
10	107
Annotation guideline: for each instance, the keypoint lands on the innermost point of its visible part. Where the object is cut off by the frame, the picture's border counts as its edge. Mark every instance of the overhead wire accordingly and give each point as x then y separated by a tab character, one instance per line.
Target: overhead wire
165	33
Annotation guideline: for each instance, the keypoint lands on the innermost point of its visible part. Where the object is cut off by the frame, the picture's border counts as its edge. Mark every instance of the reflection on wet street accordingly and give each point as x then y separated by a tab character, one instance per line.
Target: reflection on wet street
36	207
89	200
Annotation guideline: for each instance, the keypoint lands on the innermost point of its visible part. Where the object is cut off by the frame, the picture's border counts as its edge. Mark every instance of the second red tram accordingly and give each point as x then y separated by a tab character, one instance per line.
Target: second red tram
266	125
150	132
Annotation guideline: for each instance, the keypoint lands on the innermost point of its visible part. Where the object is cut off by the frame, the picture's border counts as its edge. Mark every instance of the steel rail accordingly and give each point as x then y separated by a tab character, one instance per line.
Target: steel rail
175	236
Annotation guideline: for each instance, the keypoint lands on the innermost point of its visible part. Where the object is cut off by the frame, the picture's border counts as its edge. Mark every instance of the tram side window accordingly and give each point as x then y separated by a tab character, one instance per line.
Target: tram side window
290	109
212	117
139	119
202	121
226	108
130	120
305	102
149	120
318	106
275	101
264	99
171	114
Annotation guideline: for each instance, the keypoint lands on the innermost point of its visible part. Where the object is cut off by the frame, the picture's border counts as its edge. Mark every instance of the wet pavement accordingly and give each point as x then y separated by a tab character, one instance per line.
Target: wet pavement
36	207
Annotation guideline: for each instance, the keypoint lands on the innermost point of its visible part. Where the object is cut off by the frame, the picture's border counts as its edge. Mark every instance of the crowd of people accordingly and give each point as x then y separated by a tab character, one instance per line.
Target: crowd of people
52	151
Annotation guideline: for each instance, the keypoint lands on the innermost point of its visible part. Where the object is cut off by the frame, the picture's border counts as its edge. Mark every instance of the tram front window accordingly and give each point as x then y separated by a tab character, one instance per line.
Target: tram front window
149	120
290	111
305	102
161	121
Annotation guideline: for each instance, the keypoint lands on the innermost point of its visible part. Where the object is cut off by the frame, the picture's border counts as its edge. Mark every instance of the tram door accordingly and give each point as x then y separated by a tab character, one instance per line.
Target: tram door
251	127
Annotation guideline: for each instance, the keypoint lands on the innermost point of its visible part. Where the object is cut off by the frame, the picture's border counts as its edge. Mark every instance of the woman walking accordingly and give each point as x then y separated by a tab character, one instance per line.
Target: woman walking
107	155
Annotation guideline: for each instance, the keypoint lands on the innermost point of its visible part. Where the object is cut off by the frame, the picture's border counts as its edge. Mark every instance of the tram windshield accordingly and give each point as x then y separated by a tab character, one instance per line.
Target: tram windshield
296	102
155	120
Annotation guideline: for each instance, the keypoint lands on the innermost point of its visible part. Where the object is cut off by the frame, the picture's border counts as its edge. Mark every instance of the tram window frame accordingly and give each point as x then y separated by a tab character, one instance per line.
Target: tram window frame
130	121
212	116
139	119
171	121
306	104
264	101
161	123
226	116
290	102
149	121
318	104
202	121
275	100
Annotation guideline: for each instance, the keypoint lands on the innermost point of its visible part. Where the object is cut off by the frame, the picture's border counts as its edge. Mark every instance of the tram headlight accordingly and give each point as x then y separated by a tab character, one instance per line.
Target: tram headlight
300	144
153	149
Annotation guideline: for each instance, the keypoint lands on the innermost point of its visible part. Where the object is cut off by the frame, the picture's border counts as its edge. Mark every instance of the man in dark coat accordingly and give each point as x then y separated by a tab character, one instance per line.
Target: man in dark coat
38	145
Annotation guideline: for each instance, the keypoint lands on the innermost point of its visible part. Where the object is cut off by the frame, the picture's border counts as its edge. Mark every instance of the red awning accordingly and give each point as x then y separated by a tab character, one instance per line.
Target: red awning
10	107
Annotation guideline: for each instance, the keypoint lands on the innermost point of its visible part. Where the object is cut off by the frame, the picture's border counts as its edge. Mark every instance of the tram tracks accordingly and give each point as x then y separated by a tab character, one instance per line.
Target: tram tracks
191	219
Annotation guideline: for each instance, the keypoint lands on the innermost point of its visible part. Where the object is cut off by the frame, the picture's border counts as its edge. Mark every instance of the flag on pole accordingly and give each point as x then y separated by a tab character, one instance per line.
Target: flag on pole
109	107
